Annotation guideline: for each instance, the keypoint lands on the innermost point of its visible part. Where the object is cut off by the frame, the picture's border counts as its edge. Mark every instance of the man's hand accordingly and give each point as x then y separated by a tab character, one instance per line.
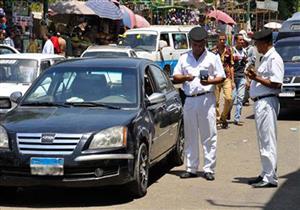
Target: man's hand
179	78
189	77
212	81
251	74
205	82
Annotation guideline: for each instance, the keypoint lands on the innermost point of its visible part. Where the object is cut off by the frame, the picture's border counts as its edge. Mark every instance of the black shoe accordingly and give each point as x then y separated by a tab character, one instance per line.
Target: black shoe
224	124
237	123
209	176
263	184
256	180
188	175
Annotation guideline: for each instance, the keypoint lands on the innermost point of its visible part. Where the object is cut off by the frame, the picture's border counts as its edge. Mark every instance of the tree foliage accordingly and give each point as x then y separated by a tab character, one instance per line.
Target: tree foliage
286	8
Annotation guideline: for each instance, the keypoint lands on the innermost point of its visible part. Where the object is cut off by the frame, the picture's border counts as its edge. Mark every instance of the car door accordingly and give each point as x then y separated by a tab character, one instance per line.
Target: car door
157	112
171	108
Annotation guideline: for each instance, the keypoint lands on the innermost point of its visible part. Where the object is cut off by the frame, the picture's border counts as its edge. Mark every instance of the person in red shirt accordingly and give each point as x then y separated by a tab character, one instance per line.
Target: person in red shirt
54	40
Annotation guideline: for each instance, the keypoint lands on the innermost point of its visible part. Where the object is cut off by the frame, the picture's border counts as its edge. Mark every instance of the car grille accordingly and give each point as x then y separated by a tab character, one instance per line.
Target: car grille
291	80
297	80
59	144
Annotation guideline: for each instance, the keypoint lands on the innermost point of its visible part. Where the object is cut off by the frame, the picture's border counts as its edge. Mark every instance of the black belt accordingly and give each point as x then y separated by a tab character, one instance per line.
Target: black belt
261	97
197	94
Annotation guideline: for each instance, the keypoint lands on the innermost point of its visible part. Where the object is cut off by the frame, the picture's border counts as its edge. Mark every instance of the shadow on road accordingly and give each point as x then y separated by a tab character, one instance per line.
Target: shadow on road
242	180
179	172
47	197
288	195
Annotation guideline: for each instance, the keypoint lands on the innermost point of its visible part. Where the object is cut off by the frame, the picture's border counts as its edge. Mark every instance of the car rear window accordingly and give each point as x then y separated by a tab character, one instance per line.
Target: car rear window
105	54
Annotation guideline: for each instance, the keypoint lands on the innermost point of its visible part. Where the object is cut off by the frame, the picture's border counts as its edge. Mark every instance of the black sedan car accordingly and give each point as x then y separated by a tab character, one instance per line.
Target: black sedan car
92	122
289	50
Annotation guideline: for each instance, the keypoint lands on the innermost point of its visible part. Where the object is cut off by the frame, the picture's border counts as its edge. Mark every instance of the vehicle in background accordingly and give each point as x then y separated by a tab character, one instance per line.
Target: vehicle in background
289	50
108	51
162	44
99	122
290	27
6	49
18	71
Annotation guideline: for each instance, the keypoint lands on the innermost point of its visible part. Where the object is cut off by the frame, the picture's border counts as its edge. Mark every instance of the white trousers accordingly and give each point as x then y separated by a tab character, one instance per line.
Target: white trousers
266	111
200	123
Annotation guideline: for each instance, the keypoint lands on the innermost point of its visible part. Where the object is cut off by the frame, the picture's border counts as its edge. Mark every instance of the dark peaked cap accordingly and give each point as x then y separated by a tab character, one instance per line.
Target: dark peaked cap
264	34
198	34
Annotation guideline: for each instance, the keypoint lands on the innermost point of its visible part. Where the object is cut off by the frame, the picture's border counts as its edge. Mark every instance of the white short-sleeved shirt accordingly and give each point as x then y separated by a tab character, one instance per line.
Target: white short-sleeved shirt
208	61
48	47
271	68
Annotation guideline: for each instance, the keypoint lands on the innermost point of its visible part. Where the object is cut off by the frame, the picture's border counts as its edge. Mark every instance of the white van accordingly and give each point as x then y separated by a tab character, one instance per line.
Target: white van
161	43
17	72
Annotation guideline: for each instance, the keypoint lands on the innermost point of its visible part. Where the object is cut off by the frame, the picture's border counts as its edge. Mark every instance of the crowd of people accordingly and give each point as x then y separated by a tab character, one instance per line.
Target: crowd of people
233	70
179	17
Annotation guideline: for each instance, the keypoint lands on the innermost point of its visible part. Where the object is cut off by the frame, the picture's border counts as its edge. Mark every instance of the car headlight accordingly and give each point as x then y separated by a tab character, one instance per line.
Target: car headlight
3	138
110	138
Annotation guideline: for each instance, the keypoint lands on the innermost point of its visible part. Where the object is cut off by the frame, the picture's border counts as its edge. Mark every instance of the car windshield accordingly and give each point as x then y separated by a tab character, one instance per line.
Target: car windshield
18	70
140	42
105	54
289	52
89	87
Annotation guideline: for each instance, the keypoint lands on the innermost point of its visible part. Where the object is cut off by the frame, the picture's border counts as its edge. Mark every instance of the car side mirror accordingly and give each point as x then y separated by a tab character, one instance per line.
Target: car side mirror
162	44
156	98
16	97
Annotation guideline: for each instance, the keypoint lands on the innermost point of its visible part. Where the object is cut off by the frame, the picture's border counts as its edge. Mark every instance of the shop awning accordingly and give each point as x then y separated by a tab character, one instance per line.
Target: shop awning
71	7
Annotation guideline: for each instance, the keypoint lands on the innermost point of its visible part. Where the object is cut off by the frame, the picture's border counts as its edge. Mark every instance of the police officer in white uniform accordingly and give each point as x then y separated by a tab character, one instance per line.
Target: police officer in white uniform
199	108
264	88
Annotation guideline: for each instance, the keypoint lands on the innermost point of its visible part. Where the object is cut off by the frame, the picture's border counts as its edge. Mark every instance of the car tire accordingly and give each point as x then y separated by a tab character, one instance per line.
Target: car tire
139	186
177	155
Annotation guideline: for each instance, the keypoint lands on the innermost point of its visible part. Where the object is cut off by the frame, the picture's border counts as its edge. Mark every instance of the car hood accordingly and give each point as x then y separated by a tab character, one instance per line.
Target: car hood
65	120
292	69
9	88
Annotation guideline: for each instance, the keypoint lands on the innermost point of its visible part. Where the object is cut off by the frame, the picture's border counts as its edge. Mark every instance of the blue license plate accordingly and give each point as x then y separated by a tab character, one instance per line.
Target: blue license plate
47	166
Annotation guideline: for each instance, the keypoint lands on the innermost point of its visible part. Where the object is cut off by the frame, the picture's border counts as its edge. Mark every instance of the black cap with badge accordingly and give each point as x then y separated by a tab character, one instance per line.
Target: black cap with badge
265	35
198	33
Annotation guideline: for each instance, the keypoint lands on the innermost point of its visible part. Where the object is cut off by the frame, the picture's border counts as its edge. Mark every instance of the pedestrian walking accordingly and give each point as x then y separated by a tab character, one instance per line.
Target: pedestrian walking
199	70
240	60
251	59
226	55
264	88
48	47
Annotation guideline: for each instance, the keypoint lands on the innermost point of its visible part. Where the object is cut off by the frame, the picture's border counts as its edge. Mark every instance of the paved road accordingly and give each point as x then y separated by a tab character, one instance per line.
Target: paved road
238	160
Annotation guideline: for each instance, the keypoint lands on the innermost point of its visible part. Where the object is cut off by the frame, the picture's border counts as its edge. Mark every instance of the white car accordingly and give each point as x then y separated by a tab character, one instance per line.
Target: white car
18	71
108	51
6	49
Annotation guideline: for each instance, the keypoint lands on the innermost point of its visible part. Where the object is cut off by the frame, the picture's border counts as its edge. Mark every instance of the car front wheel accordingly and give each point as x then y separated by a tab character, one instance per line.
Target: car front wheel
139	186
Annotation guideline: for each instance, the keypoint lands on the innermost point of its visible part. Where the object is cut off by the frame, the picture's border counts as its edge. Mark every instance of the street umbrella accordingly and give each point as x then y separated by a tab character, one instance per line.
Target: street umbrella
222	16
141	22
105	9
70	7
128	16
273	25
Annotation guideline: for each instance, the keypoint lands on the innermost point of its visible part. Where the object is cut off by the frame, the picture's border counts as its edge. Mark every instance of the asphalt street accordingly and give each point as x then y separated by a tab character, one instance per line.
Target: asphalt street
237	161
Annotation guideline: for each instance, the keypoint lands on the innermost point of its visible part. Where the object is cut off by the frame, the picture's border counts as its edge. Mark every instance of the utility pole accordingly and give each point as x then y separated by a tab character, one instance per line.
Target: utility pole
45	10
248	22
